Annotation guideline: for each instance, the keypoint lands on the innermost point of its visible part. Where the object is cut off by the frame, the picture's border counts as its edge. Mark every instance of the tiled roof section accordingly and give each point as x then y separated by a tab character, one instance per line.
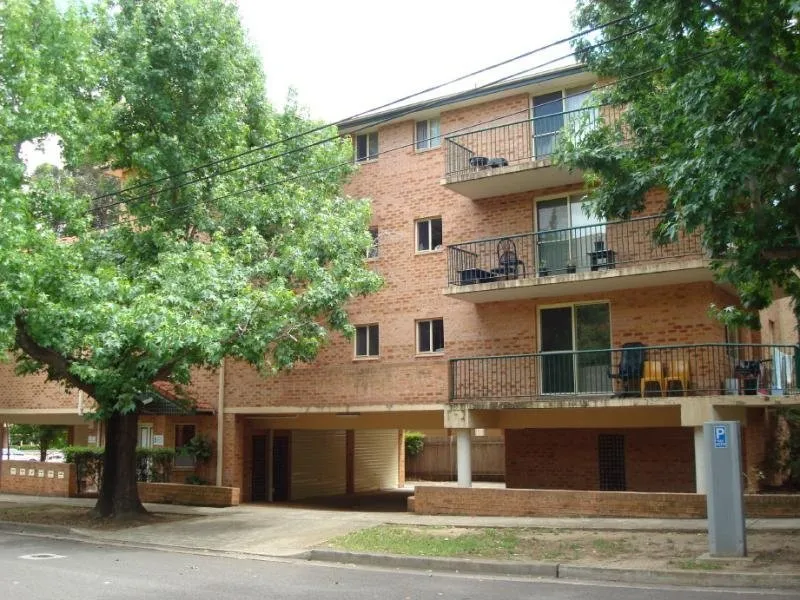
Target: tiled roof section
168	392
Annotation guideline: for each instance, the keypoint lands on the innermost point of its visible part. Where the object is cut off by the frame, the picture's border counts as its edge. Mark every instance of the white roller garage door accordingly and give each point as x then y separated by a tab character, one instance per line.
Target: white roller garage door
375	463
318	463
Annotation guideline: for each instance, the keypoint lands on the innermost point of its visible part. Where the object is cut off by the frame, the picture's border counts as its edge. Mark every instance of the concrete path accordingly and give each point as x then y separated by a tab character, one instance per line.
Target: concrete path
286	530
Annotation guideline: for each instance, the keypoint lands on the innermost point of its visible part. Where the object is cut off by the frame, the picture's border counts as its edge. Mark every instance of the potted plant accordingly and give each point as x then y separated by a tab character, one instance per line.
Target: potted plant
543	270
571	267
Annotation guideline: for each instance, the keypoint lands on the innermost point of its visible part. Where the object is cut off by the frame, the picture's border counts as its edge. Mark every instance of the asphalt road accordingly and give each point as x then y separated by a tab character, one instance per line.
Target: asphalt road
92	571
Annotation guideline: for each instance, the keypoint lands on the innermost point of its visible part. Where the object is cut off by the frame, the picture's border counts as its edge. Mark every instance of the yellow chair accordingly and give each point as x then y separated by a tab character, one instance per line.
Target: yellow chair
678	371
653	373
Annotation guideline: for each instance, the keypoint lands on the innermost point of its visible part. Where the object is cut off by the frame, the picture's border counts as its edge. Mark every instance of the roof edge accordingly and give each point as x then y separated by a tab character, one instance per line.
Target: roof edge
348	125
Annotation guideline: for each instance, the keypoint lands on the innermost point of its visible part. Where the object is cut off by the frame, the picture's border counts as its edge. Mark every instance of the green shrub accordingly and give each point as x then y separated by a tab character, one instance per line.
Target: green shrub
195	480
414	443
88	461
154	464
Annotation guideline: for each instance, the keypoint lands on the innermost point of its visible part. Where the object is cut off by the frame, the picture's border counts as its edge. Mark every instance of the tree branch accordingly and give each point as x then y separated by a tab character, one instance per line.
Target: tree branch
58	366
743	32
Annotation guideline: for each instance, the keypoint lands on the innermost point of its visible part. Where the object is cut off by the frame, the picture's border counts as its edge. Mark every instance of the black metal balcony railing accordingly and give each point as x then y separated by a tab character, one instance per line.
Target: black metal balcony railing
702	369
574	250
523	141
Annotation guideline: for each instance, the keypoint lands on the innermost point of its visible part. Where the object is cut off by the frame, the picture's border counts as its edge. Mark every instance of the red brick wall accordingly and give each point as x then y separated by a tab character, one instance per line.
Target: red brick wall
433	500
191	495
32	391
656	459
754	445
47	479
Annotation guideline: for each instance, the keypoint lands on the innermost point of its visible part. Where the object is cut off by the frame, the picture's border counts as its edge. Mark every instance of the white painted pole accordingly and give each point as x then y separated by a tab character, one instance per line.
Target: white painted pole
464	458
700	462
220	421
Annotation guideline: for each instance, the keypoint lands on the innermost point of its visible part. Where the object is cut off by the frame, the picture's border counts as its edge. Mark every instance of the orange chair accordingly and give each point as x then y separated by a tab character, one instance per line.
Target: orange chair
653	373
678	372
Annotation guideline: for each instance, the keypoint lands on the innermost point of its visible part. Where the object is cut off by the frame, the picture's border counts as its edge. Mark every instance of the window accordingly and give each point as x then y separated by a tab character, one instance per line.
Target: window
367	146
427	134
367	343
429	235
430	336
611	462
553	112
183	433
568	237
372	251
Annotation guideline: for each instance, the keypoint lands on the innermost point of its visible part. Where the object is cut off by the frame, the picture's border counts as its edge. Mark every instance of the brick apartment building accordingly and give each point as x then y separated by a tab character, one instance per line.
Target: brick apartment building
505	307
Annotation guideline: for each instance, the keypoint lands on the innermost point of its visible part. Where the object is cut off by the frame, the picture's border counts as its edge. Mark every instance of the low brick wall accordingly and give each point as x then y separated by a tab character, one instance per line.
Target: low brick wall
37	478
192	495
433	500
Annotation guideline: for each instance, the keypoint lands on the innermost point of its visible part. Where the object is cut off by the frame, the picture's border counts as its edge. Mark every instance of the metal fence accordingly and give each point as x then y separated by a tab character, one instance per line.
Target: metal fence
559	251
634	370
523	141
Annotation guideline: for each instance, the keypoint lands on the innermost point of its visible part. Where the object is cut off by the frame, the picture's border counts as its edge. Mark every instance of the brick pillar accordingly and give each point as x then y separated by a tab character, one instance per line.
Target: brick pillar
233	451
754	438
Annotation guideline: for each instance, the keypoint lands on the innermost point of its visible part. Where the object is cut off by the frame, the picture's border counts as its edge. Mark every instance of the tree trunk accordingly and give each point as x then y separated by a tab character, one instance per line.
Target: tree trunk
43	447
119	494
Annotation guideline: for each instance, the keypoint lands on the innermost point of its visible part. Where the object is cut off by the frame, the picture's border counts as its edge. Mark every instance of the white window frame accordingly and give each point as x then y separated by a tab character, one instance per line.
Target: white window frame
428	142
433	351
433	247
368	356
373	251
370	156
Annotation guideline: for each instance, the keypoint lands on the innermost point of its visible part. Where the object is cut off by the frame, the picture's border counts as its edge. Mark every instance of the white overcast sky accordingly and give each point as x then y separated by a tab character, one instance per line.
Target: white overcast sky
347	56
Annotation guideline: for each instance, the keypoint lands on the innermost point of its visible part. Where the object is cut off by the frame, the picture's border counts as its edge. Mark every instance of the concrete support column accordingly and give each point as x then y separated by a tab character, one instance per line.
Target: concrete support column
700	461
464	457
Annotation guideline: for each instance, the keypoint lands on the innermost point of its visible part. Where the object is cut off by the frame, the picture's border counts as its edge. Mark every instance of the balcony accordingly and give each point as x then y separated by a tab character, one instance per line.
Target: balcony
630	372
591	258
516	157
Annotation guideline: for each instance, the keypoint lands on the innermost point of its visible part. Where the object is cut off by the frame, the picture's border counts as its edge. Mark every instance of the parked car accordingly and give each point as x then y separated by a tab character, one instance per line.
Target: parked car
14	454
55	456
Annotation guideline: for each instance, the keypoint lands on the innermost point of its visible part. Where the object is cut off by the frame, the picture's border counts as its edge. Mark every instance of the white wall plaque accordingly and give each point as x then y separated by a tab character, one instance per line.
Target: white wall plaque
61	474
51	474
40	473
31	472
13	470
92	440
158	440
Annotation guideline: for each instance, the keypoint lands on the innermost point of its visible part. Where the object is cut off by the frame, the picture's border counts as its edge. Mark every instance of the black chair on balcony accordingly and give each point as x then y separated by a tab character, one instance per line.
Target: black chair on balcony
631	368
510	265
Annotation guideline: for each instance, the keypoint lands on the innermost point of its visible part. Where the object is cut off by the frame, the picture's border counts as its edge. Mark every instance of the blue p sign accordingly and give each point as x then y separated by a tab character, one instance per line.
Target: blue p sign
720	436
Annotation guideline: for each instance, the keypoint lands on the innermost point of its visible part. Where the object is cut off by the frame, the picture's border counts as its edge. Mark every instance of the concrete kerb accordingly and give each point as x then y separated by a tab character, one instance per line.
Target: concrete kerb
456	565
562	571
448	565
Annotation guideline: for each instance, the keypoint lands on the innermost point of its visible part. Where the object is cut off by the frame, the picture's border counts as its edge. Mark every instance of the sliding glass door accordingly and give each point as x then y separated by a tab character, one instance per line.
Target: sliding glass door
575	342
566	234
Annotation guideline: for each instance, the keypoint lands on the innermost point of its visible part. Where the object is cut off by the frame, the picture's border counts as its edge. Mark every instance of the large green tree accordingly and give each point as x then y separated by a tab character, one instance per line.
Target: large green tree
187	268
711	90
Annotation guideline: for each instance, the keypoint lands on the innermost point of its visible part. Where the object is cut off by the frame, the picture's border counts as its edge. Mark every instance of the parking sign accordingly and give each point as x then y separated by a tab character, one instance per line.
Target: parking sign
720	436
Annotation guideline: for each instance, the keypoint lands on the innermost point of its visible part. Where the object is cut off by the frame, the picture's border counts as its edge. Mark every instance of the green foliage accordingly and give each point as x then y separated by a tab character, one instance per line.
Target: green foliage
88	462
711	95
41	437
155	464
206	271
415	442
196	480
199	448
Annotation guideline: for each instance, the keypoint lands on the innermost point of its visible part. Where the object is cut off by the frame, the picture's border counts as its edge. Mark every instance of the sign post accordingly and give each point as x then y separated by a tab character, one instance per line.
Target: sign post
725	501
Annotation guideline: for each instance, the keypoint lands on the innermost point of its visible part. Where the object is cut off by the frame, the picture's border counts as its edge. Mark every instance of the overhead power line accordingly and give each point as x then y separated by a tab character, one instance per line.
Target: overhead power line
409	110
261	187
366	112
